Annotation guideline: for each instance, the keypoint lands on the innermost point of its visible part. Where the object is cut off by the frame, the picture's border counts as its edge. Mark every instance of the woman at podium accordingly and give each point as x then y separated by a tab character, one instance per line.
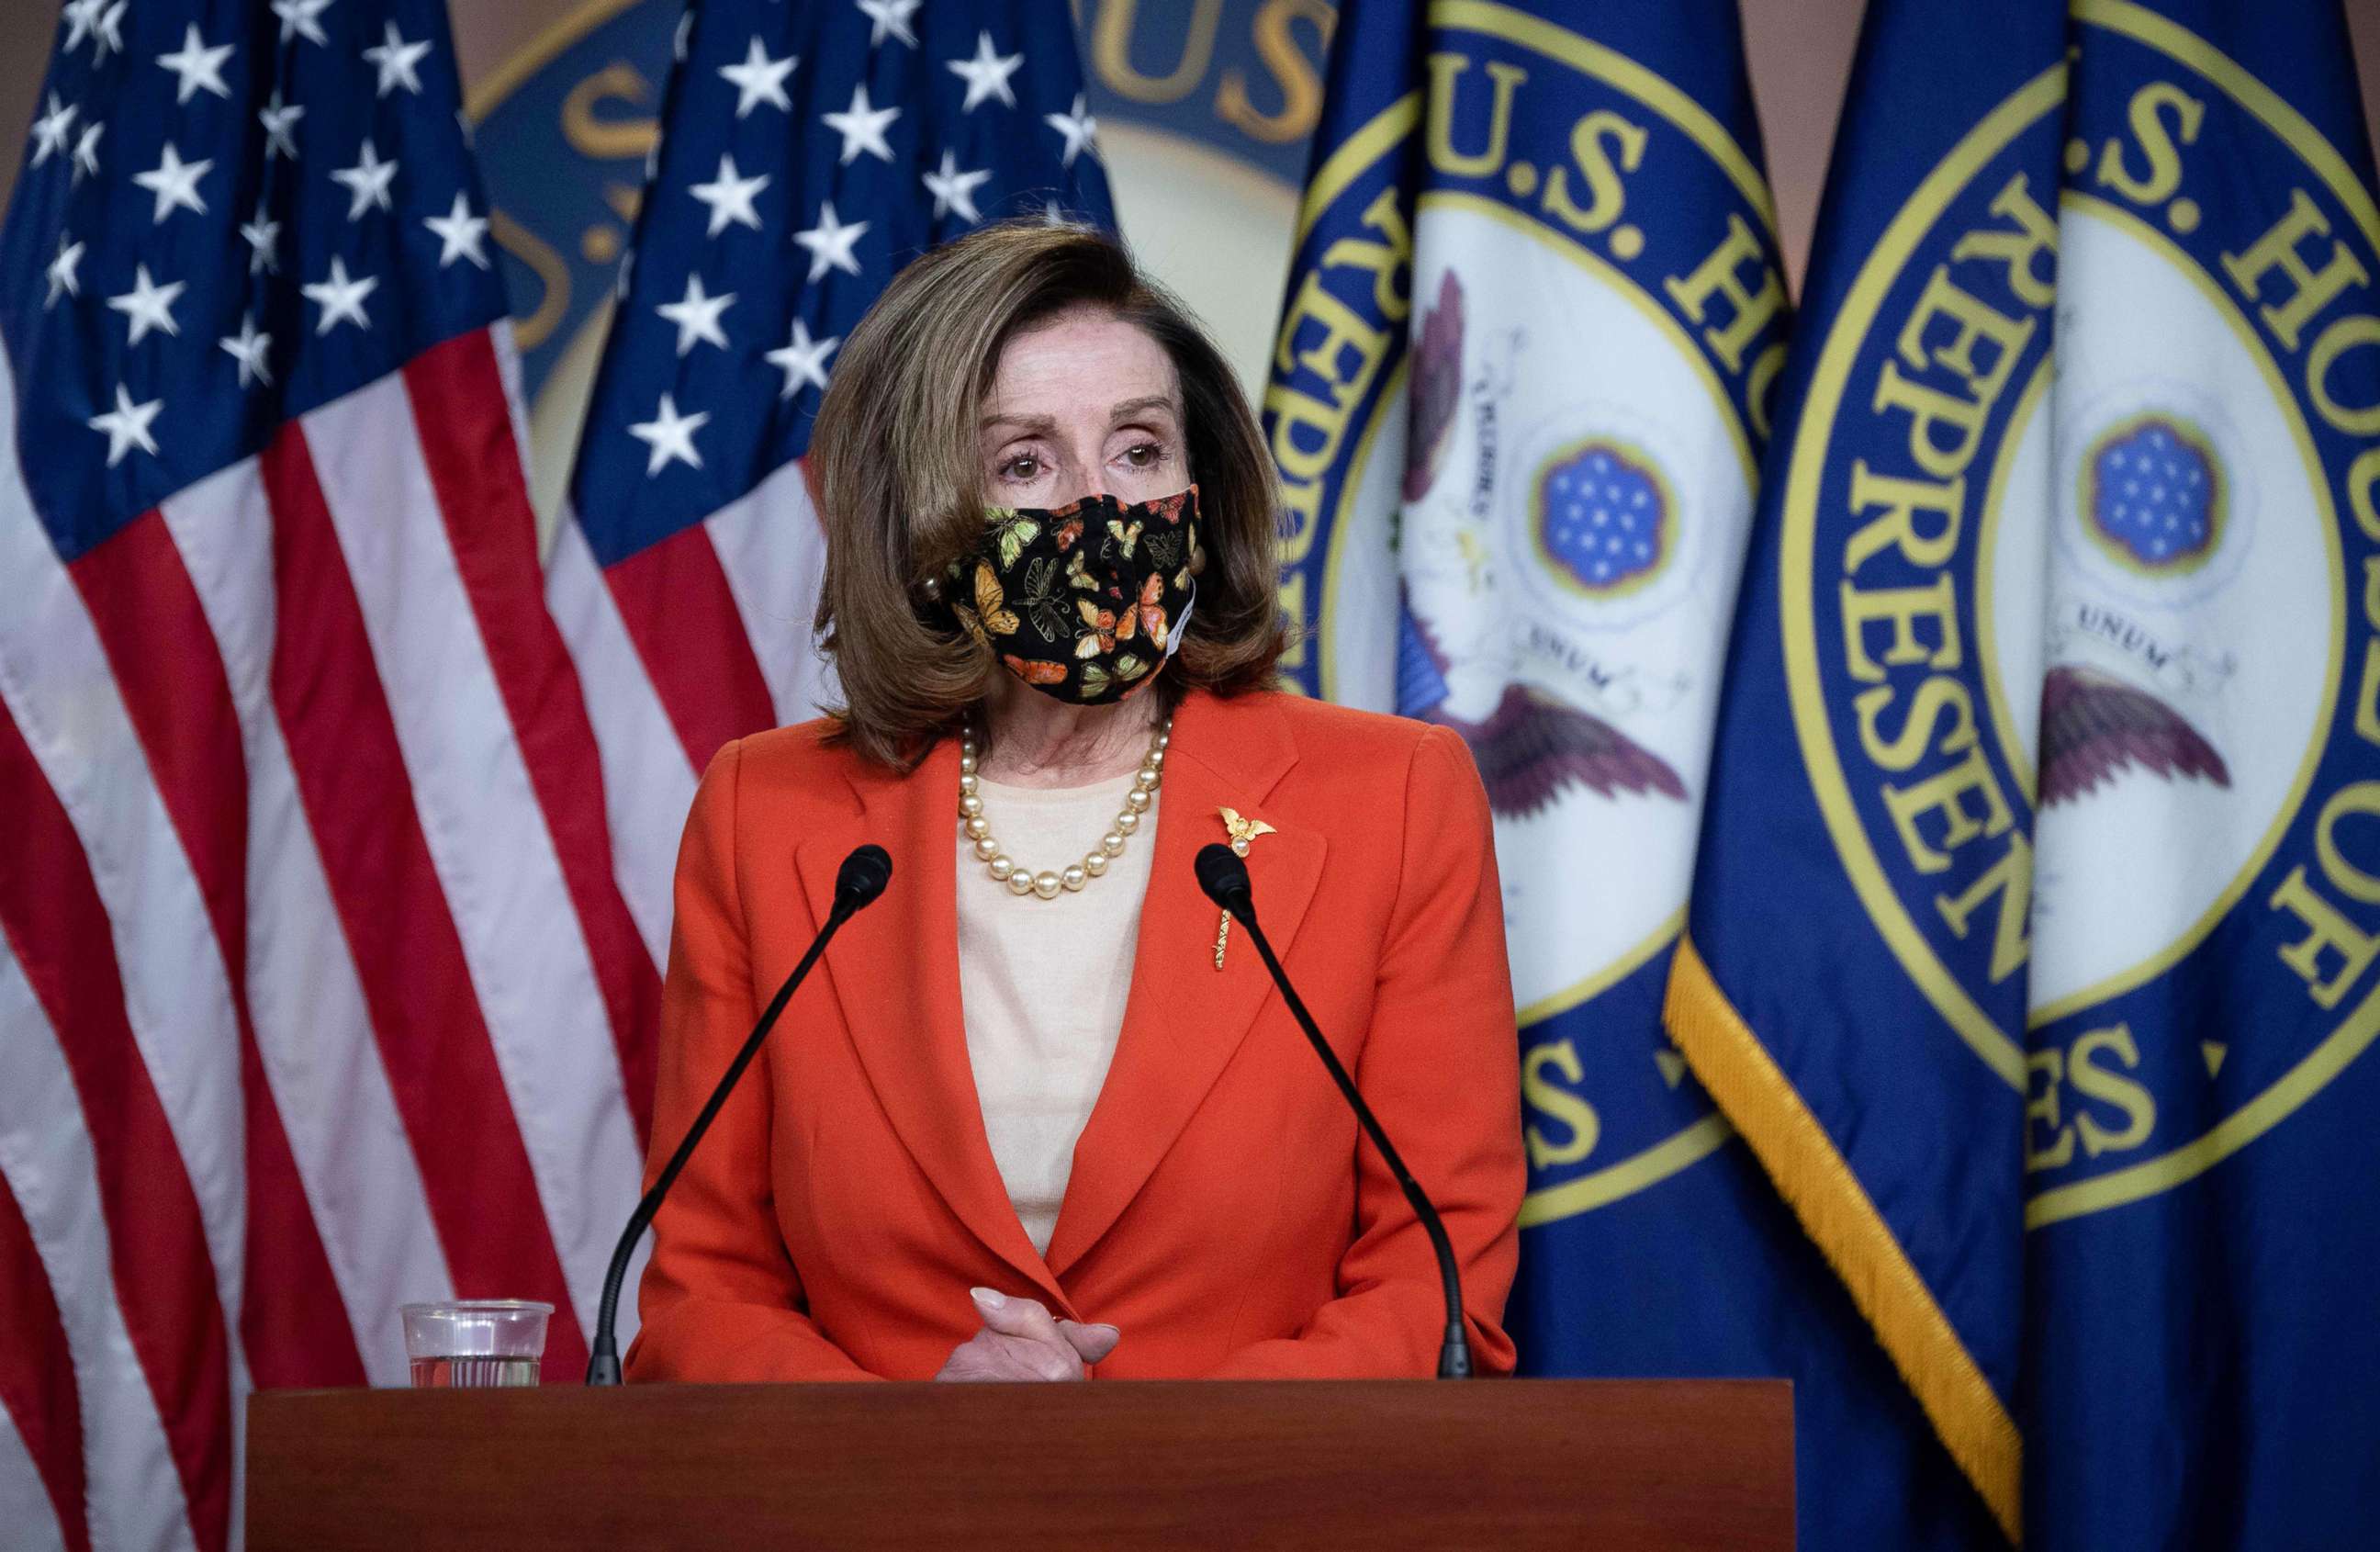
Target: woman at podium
1039	1114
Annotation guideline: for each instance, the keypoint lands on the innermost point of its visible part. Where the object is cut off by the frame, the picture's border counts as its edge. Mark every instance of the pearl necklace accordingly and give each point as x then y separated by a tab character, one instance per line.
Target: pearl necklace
1046	885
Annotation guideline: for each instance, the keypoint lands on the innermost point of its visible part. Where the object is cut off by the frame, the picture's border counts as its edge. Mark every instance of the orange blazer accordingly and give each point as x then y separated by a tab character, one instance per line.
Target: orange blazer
1222	1210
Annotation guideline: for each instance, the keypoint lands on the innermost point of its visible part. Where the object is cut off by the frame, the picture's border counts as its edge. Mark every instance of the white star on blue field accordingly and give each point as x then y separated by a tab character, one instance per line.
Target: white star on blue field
1601	515
2153	493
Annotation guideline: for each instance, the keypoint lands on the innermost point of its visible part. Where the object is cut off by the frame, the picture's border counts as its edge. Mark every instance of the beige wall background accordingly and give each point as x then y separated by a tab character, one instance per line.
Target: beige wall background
1800	53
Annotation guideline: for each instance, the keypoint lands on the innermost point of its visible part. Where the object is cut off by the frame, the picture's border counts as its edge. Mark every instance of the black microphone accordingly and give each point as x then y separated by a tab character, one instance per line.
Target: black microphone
861	879
1224	877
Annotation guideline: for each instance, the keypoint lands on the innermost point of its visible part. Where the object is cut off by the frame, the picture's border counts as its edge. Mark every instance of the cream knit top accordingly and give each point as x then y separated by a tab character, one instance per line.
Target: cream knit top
1043	982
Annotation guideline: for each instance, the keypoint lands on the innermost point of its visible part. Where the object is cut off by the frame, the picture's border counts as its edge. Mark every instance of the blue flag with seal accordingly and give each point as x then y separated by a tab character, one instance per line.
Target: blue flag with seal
1520	397
2036	907
2197	579
1851	985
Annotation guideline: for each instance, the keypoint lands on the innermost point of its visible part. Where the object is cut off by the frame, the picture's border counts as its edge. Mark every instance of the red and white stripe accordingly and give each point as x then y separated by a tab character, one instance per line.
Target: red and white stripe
318	992
703	637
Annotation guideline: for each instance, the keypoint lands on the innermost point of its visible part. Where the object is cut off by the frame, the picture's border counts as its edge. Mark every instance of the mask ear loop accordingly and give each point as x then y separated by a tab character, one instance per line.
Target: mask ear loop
1181	626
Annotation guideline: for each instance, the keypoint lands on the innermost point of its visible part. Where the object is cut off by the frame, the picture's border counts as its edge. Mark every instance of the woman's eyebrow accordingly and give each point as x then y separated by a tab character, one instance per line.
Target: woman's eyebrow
1042	425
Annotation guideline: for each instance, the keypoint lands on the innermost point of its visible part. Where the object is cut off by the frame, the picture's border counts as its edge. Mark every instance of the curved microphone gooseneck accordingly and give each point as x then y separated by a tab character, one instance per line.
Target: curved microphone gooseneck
861	879
1224	877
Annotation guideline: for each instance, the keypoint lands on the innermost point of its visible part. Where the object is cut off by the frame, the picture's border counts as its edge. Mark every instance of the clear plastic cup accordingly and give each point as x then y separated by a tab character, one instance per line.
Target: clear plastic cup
480	1343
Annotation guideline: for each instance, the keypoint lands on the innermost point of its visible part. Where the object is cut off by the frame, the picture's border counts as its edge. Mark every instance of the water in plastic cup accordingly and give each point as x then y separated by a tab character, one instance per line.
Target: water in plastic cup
476	1342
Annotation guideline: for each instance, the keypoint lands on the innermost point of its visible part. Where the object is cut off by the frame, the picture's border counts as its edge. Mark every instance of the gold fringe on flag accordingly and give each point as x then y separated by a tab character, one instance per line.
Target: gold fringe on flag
1837	1213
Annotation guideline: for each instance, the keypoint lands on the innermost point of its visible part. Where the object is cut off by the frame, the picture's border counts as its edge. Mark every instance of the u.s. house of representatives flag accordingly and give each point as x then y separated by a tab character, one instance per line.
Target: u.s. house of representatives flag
2184	574
1521	392
807	152
1852	983
1517	404
316	990
2036	900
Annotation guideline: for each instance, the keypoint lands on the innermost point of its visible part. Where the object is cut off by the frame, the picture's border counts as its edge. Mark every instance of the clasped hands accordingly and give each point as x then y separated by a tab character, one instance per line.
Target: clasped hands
1021	1340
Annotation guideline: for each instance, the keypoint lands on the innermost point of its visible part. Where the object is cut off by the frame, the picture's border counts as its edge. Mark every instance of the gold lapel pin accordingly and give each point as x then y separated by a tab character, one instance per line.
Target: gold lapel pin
1242	832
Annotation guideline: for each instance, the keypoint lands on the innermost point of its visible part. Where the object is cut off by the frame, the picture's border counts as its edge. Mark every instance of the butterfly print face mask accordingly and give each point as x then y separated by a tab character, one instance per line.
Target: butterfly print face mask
1085	601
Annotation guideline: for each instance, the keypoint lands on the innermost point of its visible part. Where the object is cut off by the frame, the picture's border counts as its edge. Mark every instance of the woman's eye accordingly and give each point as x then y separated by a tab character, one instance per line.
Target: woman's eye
1025	465
1144	454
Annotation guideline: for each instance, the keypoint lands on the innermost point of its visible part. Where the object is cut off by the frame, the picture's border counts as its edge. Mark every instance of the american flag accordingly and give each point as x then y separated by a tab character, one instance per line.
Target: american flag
317	992
808	151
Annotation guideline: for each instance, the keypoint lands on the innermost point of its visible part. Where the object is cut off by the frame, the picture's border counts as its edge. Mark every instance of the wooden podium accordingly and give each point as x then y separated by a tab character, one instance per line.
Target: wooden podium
1568	1464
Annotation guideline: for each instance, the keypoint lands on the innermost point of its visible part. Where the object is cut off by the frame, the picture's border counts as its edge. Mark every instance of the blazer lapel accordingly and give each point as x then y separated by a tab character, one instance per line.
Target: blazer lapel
894	970
1183	1019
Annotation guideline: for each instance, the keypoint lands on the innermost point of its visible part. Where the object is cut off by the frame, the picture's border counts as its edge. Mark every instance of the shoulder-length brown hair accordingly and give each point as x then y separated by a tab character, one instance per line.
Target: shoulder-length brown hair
894	462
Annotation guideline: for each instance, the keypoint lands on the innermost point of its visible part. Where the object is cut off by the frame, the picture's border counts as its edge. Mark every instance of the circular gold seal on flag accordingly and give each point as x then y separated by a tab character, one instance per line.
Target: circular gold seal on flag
1552	366
2074	657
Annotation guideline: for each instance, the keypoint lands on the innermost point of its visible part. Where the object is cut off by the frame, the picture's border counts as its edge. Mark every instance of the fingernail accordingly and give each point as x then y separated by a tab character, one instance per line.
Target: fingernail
988	1298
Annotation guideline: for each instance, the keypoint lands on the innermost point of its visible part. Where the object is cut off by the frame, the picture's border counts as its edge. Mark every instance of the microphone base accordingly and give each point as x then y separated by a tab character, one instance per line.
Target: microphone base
1454	1361
603	1368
